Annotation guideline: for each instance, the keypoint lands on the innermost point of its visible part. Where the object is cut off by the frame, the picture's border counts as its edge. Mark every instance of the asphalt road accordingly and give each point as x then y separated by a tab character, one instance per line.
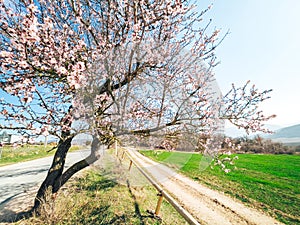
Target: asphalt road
20	177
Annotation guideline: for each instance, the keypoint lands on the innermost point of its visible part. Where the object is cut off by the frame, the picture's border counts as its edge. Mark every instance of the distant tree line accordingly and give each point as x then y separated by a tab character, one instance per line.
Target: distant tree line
261	145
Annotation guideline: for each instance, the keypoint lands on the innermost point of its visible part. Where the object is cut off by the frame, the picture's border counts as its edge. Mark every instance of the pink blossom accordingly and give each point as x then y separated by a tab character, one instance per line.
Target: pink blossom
226	170
5	54
62	70
44	131
53	61
32	8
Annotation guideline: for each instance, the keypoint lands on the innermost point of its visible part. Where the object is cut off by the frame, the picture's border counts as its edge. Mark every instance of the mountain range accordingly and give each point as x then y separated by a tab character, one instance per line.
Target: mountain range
290	134
235	132
287	132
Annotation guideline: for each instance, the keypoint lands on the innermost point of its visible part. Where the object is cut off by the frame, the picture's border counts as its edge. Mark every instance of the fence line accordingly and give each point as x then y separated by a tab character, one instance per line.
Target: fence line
185	214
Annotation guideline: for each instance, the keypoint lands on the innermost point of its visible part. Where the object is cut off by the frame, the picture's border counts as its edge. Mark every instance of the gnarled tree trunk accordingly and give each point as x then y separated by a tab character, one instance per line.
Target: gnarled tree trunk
56	178
53	177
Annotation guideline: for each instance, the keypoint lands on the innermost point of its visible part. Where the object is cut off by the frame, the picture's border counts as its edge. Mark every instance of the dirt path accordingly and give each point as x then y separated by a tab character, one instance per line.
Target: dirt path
206	205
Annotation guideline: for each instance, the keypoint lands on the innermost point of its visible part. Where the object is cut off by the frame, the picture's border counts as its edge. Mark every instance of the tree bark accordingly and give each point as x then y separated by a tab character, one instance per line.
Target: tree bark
54	173
79	165
56	178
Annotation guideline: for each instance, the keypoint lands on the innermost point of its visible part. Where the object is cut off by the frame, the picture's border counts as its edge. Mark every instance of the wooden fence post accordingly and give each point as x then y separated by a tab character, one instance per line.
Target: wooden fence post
160	199
116	148
130	165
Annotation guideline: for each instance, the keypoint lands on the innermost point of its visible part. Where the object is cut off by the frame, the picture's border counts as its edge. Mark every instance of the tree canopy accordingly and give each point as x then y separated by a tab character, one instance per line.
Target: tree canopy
121	68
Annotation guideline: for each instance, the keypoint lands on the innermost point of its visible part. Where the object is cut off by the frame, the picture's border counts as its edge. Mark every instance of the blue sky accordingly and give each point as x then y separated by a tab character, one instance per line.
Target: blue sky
263	46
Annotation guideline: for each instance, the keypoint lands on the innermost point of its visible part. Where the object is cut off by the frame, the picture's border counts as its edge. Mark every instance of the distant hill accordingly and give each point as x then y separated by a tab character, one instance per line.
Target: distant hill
287	132
287	135
235	132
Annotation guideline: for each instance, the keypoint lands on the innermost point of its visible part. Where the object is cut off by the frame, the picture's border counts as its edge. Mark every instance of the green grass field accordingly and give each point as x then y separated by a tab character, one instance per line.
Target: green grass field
10	155
267	182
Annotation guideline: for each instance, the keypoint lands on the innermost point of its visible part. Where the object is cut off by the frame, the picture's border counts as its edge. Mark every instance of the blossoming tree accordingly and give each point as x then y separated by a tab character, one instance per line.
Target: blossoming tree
120	67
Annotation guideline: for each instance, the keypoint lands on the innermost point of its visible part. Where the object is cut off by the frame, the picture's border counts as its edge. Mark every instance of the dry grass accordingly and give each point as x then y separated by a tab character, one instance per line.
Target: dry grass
96	199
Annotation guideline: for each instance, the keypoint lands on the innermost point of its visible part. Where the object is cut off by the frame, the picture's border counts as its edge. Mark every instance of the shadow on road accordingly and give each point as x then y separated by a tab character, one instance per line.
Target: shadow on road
21	172
18	206
10	216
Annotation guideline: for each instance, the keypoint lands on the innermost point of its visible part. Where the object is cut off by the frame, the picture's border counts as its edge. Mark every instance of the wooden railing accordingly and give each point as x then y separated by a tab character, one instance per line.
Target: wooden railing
121	153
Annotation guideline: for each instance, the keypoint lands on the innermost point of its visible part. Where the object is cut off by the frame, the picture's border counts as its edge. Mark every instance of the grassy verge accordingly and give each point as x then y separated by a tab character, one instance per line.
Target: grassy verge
269	182
96	199
12	155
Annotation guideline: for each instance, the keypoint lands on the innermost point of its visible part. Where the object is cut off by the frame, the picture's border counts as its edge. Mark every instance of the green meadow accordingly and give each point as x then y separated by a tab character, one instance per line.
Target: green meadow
11	155
267	182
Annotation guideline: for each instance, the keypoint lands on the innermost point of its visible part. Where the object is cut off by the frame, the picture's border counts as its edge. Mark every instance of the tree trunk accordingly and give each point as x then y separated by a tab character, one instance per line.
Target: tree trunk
79	165
54	173
56	178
